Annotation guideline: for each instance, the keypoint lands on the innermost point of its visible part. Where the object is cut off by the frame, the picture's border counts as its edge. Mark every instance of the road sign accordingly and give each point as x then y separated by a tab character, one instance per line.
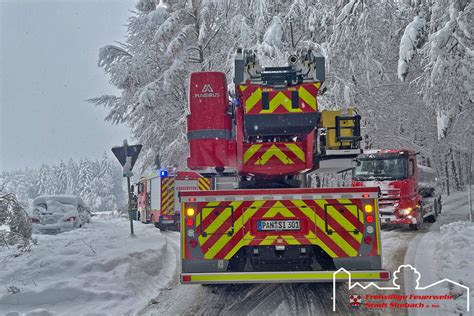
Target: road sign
132	151
127	156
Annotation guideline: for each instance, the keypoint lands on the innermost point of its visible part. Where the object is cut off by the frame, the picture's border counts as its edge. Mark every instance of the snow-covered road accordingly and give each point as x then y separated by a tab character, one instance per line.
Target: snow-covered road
101	270
399	247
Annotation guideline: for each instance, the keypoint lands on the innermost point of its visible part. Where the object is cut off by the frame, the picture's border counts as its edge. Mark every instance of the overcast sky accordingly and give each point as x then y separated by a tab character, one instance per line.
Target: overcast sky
48	67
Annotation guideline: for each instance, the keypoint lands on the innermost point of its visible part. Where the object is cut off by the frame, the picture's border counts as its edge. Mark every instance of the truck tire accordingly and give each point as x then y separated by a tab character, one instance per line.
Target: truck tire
160	227
419	221
432	218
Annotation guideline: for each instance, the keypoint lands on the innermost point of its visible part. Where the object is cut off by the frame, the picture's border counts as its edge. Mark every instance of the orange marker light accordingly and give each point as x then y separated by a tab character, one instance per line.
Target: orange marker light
190	212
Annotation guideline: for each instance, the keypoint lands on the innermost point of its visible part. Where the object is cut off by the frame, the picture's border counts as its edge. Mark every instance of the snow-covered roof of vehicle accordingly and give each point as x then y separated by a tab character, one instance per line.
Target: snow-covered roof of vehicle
390	151
63	199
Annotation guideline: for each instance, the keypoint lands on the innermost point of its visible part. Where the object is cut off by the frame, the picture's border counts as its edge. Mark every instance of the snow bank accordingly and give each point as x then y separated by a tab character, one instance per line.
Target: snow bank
98	270
455	256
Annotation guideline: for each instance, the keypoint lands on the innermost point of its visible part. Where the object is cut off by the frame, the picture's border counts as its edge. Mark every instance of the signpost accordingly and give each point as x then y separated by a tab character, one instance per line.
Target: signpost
127	156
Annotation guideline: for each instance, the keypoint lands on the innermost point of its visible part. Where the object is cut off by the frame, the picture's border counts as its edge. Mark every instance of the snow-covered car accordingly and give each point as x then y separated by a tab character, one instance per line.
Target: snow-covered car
57	213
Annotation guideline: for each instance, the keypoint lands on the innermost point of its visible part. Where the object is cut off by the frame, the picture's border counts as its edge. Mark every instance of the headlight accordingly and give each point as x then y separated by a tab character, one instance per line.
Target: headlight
405	211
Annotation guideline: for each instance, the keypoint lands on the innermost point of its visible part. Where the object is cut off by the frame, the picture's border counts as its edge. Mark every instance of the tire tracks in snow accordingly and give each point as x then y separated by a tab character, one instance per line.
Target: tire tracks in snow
272	299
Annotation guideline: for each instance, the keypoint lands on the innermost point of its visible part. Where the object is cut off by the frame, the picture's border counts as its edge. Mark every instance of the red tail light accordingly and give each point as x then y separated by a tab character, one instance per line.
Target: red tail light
186	278
368	240
70	219
193	243
190	222
370	219
35	220
385	275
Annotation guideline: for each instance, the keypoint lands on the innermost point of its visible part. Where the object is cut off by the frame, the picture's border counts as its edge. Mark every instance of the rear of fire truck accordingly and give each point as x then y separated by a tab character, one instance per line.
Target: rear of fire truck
261	221
157	197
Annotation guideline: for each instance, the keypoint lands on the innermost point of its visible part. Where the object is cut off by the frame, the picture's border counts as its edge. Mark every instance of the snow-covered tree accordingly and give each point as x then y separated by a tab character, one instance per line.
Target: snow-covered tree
71	177
369	46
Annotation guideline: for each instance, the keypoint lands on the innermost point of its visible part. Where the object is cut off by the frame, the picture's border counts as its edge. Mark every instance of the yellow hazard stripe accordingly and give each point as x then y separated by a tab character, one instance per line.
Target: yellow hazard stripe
354	210
307	97
280	99
204	184
267	241
296	150
168	207
165	196
275	276
274	151
291	240
225	214
278	208
165	184
251	151
343	221
201	217
253	99
311	214
238	224
338	240
377	229
243	242
183	236
243	87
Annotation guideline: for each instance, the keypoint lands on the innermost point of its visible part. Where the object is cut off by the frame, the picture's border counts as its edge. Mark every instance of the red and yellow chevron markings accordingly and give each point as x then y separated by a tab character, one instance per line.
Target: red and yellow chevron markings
225	227
167	196
204	184
280	153
280	101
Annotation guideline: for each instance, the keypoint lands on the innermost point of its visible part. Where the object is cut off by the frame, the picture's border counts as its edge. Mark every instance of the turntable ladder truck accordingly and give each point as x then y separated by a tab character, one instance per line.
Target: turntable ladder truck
261	221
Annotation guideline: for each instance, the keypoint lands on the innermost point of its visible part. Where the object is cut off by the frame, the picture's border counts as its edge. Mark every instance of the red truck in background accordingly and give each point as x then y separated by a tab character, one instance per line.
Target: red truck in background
157	196
410	194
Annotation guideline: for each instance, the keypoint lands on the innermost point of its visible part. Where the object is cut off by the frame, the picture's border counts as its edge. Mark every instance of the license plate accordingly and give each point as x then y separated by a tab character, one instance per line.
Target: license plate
388	219
279	225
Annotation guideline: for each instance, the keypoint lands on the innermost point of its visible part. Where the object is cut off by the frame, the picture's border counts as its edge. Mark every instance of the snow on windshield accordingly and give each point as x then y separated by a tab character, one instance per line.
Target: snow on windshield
388	168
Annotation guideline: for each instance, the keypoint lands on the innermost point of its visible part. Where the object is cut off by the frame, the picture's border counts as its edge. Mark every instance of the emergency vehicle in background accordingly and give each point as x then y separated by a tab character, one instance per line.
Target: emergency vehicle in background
410	192
157	196
261	221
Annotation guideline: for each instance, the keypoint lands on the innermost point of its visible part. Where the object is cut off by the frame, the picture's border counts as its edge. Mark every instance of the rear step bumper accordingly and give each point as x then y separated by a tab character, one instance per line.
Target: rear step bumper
283	277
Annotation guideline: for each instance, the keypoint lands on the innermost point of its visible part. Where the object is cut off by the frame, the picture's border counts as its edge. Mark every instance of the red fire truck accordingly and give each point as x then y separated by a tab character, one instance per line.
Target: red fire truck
410	194
157	196
261	221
